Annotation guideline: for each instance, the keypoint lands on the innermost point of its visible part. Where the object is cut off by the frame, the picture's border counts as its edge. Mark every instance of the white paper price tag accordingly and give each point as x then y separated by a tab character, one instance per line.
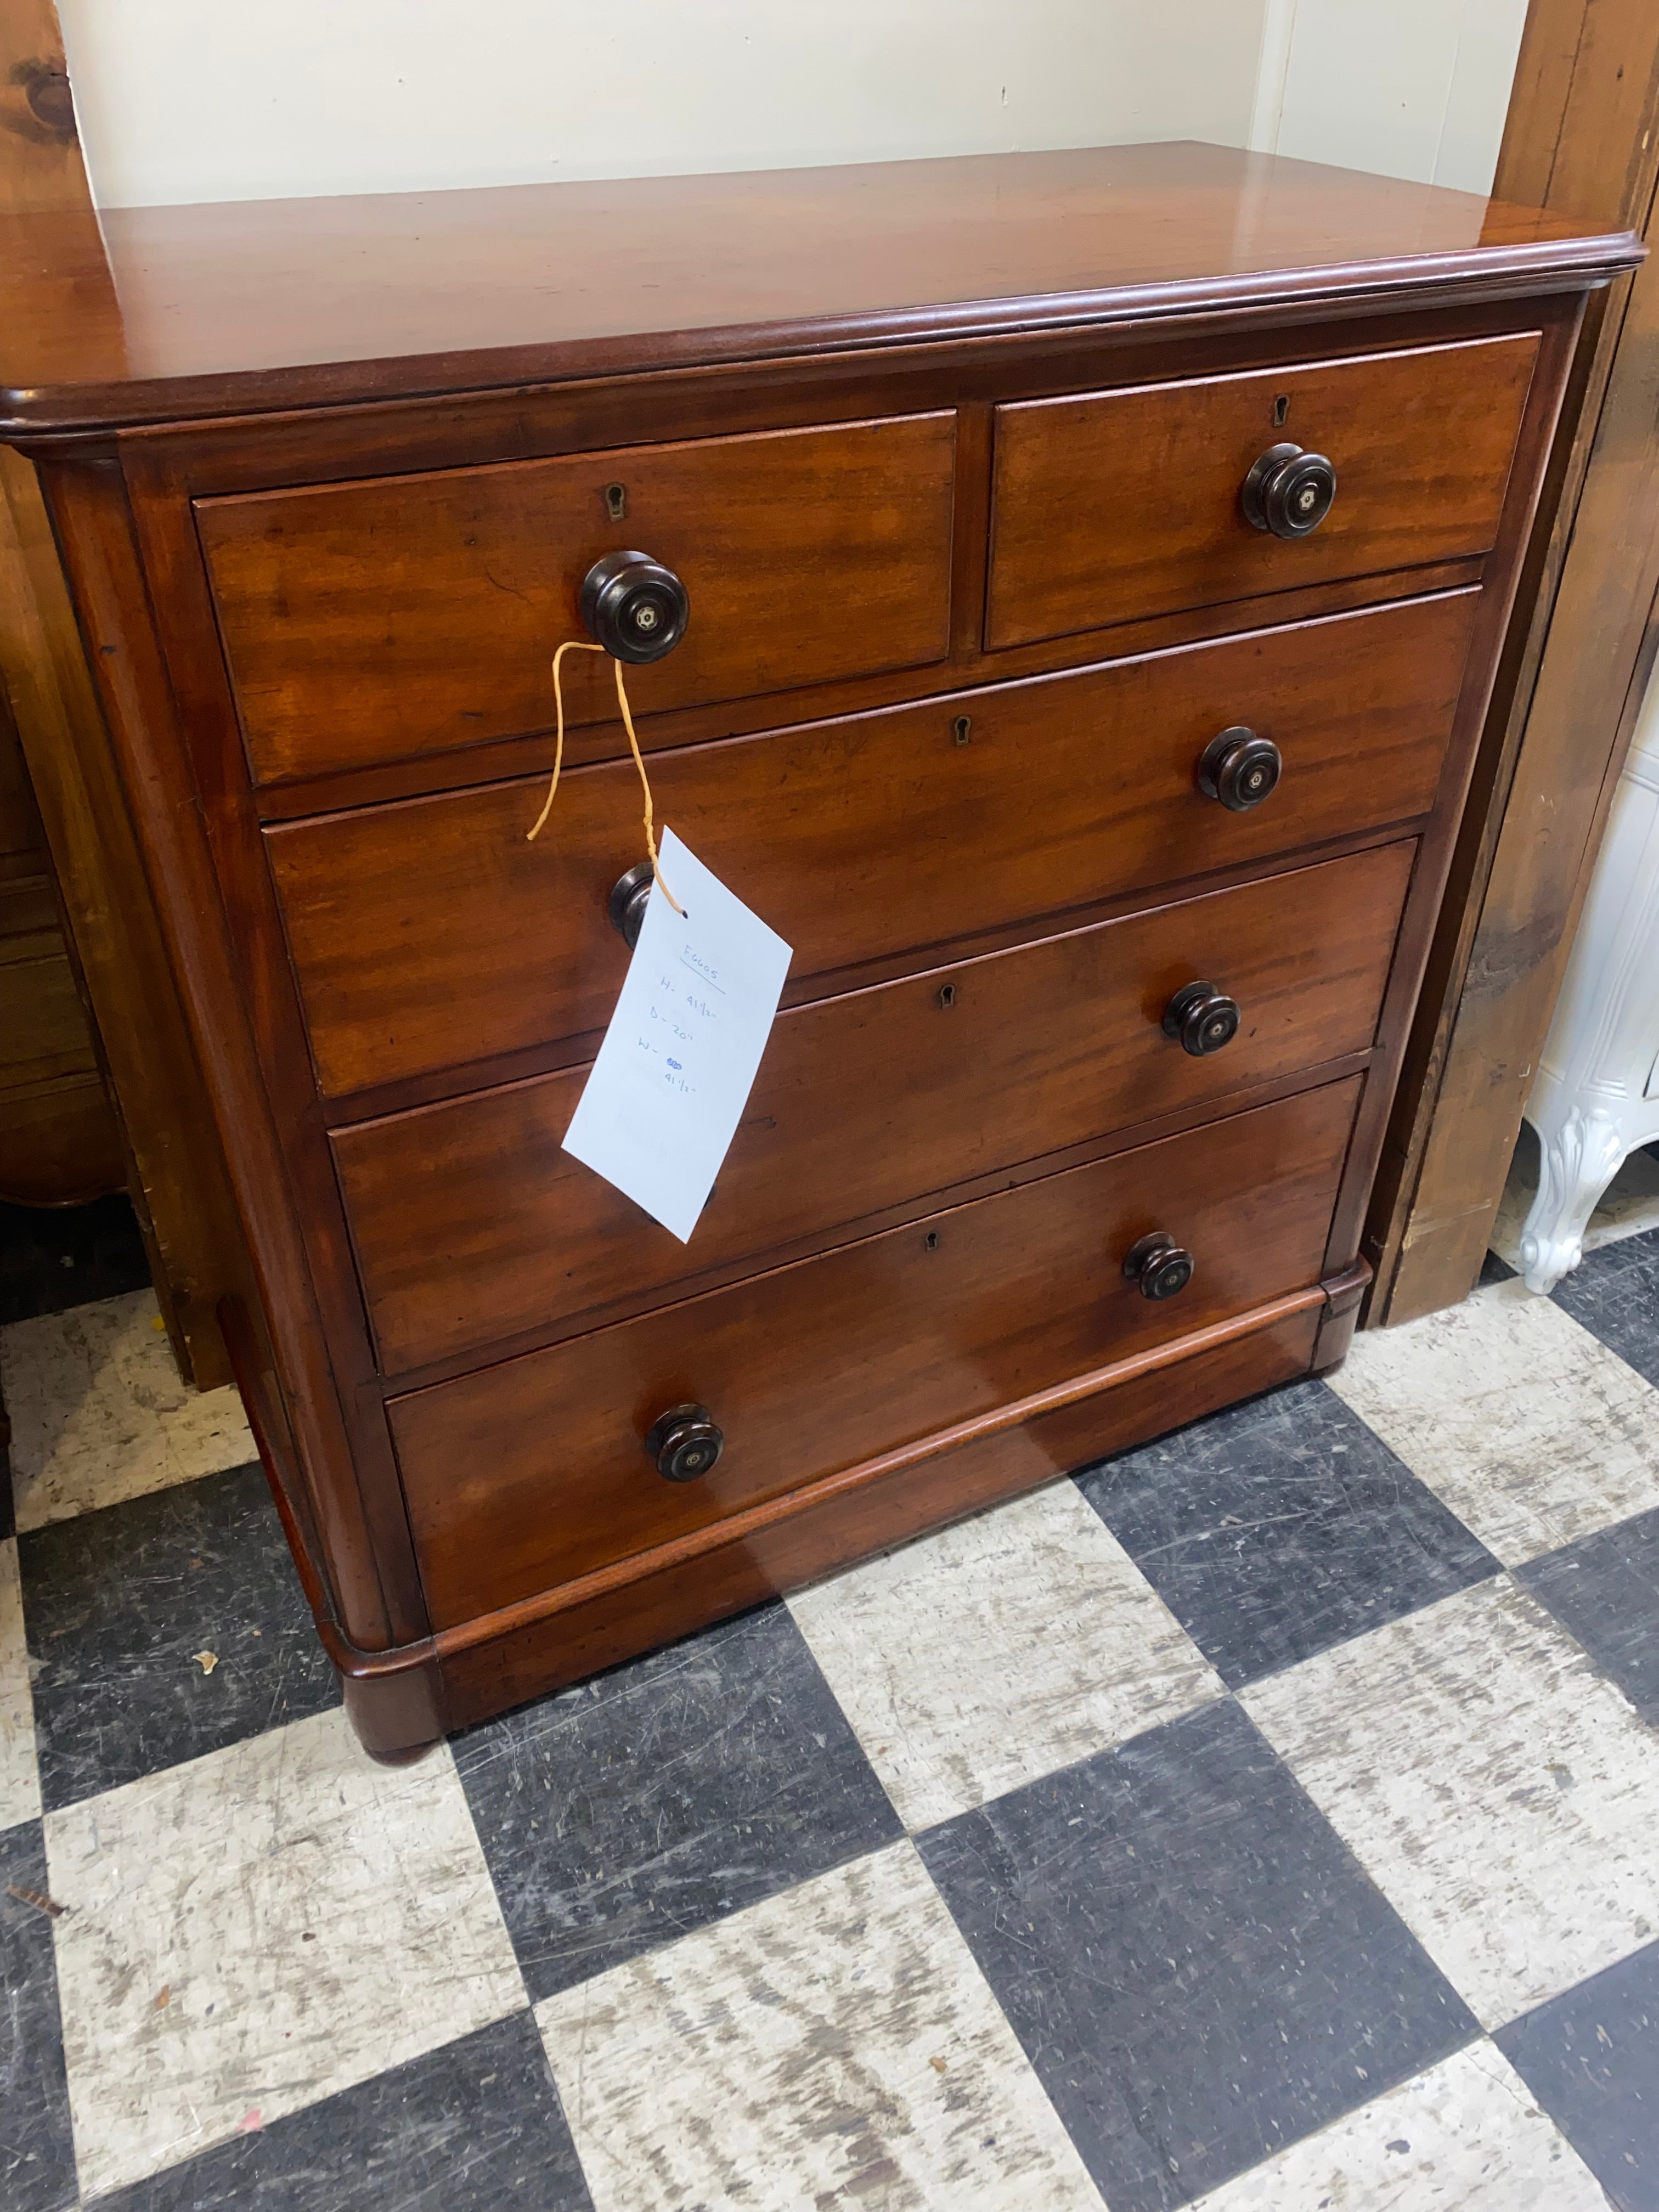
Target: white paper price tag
673	1075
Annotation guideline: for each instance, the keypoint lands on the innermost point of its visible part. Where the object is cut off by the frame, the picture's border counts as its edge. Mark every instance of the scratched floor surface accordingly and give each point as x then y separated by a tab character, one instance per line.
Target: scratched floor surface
1267	1818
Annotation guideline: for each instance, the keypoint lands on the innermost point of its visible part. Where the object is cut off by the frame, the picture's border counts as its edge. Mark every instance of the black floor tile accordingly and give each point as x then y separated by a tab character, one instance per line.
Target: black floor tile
37	2151
1604	1590
475	2127
626	1812
1614	1293
1494	1270
1196	1967
56	1257
1591	2058
1280	1527
119	1603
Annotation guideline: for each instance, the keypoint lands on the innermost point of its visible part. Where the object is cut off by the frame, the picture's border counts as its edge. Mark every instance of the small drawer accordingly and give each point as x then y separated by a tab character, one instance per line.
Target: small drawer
1124	504
471	1224
526	1473
429	934
407	614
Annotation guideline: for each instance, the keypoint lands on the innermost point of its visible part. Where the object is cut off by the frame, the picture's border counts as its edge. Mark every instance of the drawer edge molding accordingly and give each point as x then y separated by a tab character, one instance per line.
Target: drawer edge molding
847	1481
396	1698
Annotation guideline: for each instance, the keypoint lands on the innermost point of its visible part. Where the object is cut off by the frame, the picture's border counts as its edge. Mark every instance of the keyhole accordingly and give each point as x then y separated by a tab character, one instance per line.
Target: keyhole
947	994
1281	409
616	500
933	1240
962	728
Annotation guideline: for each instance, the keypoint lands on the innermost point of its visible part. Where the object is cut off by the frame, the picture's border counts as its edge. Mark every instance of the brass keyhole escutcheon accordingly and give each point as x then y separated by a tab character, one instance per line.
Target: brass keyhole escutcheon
615	501
947	994
962	728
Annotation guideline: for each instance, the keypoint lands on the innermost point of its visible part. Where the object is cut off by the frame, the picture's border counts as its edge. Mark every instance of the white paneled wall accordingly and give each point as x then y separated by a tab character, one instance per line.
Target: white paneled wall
187	100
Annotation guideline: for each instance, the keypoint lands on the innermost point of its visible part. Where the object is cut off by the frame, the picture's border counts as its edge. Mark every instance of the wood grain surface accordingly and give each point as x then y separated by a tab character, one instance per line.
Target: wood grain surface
419	930
995	863
494	1660
528	1474
1584	130
163	313
471	1224
1420	441
366	621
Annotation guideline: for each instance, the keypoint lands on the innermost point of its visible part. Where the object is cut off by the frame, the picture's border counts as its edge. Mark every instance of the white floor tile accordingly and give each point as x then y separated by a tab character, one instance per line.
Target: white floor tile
254	1931
988	1655
1503	1796
98	1411
1530	1429
1466	2137
20	1783
834	2045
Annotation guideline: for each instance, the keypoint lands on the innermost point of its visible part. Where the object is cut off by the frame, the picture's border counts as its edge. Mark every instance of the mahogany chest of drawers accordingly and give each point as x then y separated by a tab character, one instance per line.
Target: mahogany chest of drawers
1097	564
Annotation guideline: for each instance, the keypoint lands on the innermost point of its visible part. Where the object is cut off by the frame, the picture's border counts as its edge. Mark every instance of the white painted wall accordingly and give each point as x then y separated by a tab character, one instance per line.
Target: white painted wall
1407	87
183	99
191	100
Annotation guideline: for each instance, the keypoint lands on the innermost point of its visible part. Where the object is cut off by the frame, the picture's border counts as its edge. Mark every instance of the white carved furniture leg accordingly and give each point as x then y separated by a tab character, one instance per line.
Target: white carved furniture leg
1596	1096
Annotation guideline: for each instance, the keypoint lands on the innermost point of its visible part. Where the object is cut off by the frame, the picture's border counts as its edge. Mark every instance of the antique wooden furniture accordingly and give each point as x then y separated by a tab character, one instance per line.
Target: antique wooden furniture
1595	1100
99	1083
1582	138
58	1141
1097	565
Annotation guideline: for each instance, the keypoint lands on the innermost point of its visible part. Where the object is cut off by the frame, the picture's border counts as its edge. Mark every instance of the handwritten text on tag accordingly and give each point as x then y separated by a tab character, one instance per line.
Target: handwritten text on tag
674	1073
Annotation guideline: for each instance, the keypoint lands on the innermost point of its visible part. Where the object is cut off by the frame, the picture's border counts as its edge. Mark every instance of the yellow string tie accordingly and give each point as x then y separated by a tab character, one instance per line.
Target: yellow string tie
584	645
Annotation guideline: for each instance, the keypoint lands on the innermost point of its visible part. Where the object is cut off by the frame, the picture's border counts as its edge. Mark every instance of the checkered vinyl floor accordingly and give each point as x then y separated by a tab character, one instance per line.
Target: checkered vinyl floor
1269	1817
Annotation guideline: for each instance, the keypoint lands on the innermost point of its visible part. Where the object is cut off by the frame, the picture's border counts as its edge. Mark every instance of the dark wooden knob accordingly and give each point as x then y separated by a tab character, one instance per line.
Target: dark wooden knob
1202	1019
634	607
1289	492
1240	768
630	895
1159	1265
684	1443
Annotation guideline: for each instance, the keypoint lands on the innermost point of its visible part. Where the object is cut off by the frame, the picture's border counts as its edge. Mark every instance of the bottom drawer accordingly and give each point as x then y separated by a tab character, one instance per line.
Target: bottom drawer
523	1475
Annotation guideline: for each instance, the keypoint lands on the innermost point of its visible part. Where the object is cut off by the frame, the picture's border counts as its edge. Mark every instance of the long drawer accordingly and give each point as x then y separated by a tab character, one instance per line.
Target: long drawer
471	1224
525	1474
1122	504
429	934
407	614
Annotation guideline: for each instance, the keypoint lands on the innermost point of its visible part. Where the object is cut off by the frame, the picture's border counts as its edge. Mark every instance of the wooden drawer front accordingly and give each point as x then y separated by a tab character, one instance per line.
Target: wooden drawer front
430	934
471	1223
1126	503
406	614
526	1473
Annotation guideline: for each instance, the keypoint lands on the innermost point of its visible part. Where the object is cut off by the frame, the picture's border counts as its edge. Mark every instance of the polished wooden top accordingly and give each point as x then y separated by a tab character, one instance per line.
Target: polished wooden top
155	313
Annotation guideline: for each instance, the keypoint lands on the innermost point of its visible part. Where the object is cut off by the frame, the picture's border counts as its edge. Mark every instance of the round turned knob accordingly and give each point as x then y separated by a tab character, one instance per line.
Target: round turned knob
1289	492
634	607
630	895
1159	1265
684	1443
1240	768
1202	1019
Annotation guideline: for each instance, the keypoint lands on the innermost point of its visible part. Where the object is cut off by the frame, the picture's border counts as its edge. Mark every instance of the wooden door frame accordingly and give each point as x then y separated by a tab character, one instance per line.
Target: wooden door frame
1581	139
